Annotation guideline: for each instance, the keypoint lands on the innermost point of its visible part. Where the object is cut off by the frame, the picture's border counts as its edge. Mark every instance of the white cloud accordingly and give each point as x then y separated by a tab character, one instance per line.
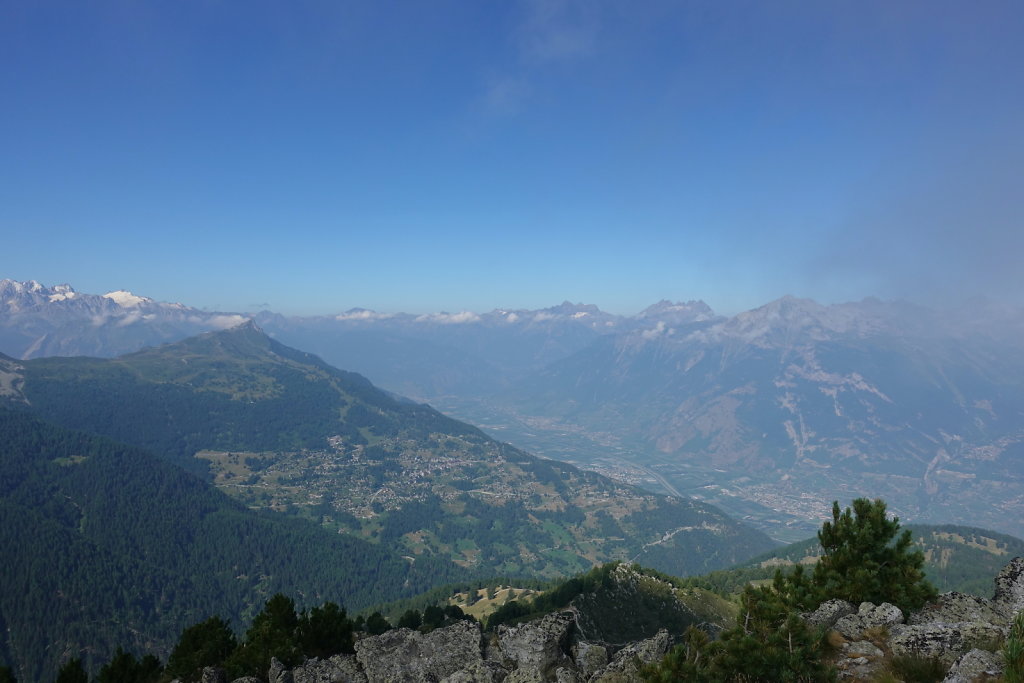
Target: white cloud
449	318
658	330
362	314
223	322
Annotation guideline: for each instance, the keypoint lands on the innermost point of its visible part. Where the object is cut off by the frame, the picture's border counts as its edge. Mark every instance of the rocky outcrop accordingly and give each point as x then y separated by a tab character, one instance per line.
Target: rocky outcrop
945	642
407	655
1009	596
868	616
629	660
956	608
336	669
542	644
975	665
828	613
546	650
961	631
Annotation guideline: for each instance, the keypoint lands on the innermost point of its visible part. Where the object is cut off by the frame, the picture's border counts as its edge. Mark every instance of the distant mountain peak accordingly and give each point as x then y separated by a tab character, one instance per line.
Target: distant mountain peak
569	308
694	310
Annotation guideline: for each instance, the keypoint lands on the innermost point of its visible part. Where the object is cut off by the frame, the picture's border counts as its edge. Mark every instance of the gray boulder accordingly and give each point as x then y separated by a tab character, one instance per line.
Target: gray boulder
541	645
869	616
956	608
336	669
278	673
943	641
407	655
975	665
1009	597
479	672
247	679
828	613
628	661
528	675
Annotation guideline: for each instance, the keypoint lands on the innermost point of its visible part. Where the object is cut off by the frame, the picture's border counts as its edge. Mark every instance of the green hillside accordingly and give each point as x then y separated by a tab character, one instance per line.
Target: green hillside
279	429
110	546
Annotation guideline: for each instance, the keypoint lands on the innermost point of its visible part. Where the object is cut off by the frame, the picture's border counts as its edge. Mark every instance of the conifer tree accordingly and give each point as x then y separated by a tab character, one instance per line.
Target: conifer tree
272	634
207	643
72	672
325	631
867	560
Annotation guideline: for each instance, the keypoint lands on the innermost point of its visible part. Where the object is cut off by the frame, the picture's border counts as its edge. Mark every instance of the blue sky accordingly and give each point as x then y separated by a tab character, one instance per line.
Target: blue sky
419	156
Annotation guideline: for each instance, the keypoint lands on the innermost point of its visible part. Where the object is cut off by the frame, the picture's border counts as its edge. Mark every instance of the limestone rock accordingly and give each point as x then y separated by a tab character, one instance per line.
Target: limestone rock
278	673
955	608
628	661
944	641
828	613
1009	597
336	669
528	675
565	674
869	616
247	679
539	645
975	665
589	658
407	655
479	672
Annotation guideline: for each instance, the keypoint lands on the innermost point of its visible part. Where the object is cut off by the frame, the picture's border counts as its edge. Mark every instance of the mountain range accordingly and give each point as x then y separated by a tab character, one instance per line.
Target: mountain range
203	474
770	414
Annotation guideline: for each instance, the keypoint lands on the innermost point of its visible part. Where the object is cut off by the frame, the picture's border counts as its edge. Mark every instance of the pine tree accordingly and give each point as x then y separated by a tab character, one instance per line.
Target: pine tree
867	560
72	672
207	643
272	634
325	631
410	619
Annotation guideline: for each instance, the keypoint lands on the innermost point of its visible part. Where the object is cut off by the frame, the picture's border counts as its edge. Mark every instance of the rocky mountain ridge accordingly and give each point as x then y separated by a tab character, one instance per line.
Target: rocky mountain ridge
962	632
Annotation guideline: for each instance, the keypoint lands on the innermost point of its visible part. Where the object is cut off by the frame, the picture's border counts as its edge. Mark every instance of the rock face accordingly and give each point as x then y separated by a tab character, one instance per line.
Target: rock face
336	669
407	655
868	616
942	641
541	651
542	644
1009	596
955	608
627	662
974	666
829	612
959	630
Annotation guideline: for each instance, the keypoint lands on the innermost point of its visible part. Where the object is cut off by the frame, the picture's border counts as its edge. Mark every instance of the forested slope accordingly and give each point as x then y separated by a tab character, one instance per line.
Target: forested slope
108	545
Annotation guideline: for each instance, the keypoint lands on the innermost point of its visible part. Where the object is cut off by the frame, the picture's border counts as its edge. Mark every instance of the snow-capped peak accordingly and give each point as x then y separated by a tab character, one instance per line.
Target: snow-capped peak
126	299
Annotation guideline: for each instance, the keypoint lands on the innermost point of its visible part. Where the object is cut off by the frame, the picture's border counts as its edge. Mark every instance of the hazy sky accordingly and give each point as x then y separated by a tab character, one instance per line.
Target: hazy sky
423	156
